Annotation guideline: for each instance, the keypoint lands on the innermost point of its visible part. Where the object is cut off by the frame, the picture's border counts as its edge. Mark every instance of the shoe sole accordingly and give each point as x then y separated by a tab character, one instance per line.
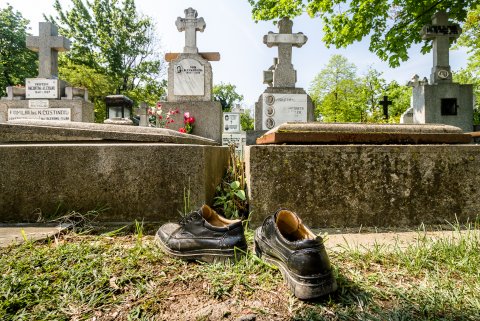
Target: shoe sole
209	256
303	287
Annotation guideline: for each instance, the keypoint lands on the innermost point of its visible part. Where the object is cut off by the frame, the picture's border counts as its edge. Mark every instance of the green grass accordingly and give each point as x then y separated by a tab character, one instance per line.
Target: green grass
80	277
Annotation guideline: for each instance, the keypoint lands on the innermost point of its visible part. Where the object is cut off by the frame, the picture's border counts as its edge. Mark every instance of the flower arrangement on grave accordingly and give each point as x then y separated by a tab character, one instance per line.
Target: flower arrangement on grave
159	117
188	122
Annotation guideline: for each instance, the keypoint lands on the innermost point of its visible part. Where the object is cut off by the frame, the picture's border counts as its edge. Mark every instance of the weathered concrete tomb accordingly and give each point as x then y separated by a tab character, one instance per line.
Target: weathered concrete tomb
134	173
351	175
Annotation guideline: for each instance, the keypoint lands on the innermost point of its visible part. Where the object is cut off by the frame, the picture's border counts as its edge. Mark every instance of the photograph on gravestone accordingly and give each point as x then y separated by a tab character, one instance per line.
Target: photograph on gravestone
231	122
282	108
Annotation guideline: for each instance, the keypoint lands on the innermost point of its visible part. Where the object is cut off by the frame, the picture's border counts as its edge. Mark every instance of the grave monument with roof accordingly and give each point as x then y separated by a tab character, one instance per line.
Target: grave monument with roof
190	80
46	97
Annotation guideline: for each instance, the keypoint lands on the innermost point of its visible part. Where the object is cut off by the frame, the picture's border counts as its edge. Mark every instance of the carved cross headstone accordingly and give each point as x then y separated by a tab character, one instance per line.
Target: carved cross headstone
283	74
48	44
385	103
441	31
190	24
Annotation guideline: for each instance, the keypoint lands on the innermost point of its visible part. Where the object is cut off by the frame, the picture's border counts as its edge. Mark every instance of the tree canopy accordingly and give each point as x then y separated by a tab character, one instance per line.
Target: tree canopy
340	95
227	95
115	45
16	61
392	25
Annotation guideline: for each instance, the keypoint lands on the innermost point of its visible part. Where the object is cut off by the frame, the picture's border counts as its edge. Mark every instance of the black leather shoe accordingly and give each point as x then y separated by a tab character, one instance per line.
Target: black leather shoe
284	241
203	235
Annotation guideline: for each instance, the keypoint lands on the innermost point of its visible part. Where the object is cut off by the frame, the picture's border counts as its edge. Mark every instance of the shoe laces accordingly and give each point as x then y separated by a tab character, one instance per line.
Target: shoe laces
188	218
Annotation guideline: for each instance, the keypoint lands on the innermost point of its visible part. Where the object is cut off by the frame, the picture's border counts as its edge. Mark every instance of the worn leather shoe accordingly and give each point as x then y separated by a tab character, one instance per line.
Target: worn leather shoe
300	255
203	235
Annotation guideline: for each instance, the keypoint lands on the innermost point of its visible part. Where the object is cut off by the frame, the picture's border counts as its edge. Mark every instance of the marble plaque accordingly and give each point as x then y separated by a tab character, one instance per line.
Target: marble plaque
54	114
42	88
281	108
238	139
44	103
188	78
231	123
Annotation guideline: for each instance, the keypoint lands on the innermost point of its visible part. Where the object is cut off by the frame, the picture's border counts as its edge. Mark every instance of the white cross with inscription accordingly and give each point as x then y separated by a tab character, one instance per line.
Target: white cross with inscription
190	24
284	75
441	31
48	44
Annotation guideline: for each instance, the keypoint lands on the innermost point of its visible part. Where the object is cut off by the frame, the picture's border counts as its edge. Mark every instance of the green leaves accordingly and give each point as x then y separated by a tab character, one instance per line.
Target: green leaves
115	41
227	95
16	61
393	26
340	95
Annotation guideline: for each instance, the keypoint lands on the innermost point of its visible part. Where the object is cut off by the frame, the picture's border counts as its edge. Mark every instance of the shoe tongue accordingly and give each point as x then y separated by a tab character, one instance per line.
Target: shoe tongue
206	212
287	222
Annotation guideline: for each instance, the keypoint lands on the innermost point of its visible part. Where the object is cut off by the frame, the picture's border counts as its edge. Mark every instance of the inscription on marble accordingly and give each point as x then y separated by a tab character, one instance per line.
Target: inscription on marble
54	114
282	108
231	122
188	78
41	88
44	103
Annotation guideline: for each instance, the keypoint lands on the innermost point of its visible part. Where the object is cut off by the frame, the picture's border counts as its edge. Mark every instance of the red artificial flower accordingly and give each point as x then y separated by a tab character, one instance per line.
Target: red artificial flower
191	120
160	117
159	105
182	130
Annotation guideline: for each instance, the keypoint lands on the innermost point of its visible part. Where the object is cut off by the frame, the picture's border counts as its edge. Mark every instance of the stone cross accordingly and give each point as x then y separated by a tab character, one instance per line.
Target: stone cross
284	75
190	24
441	31
385	103
48	44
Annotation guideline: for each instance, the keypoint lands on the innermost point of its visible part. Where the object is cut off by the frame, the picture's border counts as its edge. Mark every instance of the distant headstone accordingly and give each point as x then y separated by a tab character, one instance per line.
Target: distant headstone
41	98
385	103
282	102
442	101
190	81
232	132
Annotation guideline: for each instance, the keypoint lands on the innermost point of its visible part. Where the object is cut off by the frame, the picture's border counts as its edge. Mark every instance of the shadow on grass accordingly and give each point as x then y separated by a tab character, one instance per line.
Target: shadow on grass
353	302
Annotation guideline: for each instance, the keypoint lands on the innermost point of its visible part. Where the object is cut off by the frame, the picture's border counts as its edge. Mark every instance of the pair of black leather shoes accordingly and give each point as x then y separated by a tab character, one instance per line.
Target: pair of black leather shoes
282	240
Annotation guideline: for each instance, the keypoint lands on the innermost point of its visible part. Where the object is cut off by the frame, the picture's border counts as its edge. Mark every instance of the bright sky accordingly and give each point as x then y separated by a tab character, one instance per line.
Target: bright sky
231	31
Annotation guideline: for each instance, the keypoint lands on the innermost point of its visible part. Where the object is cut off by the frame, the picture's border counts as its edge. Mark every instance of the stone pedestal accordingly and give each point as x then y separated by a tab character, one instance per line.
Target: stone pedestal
278	105
365	185
444	103
52	178
77	110
208	117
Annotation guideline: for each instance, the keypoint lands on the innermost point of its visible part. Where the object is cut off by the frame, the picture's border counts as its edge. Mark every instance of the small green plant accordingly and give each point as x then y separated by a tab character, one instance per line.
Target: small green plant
231	199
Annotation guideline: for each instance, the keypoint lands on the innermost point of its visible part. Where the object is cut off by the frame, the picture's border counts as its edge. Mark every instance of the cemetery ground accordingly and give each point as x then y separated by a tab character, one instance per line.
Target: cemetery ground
122	275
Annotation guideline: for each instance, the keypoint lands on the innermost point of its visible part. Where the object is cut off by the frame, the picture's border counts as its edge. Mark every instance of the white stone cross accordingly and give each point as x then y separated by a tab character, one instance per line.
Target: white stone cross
284	75
190	24
441	31
48	44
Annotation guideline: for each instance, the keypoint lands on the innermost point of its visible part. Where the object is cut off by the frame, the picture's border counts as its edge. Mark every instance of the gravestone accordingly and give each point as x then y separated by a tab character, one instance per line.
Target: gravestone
190	81
232	131
282	102
442	101
46	97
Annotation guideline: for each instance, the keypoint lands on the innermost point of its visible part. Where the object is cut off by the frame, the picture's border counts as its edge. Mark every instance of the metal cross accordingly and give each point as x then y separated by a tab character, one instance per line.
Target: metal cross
385	103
